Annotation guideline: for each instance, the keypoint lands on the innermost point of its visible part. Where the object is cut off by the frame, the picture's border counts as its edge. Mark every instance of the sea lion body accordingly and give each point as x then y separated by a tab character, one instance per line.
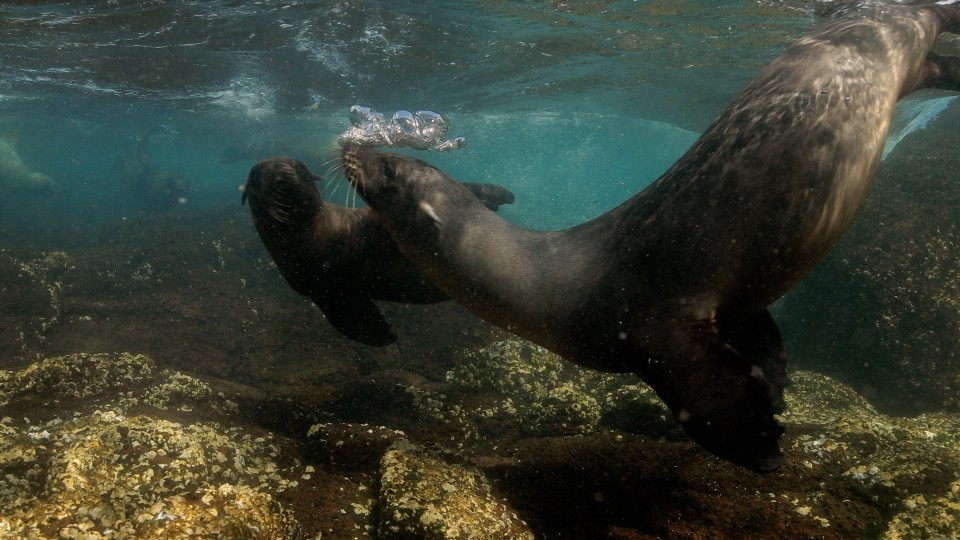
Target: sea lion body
673	284
341	258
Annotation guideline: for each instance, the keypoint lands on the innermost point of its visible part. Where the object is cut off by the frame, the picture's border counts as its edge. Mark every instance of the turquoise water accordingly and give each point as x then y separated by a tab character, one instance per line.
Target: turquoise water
574	106
589	100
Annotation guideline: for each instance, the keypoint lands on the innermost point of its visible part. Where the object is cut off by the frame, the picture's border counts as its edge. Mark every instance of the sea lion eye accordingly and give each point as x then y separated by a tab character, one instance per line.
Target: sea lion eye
388	173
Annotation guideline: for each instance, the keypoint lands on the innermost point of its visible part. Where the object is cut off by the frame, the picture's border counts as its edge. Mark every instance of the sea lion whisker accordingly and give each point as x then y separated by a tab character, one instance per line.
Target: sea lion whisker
353	198
333	159
336	187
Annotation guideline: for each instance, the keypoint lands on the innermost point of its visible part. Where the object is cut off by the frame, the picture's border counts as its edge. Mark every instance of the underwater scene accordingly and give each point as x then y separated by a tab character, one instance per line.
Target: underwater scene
191	348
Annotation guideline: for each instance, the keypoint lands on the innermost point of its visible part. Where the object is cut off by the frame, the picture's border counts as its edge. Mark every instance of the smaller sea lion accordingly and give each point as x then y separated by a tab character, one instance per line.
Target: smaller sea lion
341	258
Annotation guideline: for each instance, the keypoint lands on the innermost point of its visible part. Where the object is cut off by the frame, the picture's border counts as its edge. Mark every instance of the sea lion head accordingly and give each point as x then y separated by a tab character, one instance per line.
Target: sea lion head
282	192
411	188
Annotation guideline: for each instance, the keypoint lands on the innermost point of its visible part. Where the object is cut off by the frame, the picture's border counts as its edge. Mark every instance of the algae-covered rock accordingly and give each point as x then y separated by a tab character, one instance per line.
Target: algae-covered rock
30	297
922	518
881	312
97	473
84	375
905	466
429	495
546	394
105	475
121	379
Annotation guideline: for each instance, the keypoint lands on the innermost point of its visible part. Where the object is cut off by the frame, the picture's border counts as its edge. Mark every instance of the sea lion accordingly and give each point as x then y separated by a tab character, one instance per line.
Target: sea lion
341	258
14	173
153	188
673	284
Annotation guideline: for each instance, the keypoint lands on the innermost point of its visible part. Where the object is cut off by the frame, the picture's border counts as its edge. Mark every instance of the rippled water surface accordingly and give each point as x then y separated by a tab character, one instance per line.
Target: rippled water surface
616	90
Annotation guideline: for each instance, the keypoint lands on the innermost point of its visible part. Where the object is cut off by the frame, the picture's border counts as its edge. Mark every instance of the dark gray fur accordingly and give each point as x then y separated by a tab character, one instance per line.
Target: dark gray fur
341	258
674	283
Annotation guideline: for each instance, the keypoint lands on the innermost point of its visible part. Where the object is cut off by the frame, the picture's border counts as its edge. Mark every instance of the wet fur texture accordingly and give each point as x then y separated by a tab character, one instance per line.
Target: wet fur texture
341	258
674	283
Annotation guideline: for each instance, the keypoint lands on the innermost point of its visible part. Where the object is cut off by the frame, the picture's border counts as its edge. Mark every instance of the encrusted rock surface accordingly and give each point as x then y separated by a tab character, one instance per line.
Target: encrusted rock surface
432	495
103	474
881	312
241	414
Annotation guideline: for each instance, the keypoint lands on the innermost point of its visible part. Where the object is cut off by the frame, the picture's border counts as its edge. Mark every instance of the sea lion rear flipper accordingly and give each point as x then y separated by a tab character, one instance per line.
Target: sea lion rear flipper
357	317
729	386
944	72
491	195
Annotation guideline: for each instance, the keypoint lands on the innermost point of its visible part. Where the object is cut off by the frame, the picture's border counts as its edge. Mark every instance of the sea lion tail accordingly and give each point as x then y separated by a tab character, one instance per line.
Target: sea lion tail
724	383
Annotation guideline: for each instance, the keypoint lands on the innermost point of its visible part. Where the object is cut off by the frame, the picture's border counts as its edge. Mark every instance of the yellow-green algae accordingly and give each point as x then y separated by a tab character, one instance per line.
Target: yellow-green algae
898	463
436	496
115	463
548	395
908	467
102	474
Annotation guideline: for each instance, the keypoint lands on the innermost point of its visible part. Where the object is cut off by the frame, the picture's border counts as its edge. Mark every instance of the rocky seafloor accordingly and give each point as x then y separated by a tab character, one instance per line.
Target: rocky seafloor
159	380
514	444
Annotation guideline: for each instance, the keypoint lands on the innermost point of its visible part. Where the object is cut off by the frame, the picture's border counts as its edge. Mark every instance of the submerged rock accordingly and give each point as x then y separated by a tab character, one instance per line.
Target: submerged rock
548	396
430	495
30	296
113	445
106	476
85	472
897	464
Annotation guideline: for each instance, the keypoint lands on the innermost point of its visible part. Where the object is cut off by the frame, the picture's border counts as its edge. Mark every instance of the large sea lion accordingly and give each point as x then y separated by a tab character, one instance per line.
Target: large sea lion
341	258
673	284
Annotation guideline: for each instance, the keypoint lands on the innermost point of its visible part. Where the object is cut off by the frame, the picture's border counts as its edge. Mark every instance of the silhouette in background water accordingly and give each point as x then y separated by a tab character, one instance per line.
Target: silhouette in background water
14	173
153	188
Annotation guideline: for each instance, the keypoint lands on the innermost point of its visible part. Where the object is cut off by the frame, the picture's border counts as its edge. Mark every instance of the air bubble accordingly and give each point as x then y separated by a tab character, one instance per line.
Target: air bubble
420	130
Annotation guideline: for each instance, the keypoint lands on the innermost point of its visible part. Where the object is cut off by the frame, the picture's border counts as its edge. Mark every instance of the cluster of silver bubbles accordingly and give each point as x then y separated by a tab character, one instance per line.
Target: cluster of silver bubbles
420	130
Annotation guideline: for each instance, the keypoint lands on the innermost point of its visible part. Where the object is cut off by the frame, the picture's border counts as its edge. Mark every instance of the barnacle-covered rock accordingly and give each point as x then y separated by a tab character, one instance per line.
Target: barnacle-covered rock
907	465
429	495
94	472
30	293
546	394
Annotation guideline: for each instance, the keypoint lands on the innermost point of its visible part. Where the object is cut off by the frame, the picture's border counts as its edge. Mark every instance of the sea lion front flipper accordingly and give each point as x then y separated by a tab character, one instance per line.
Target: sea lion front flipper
491	195
725	385
355	316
